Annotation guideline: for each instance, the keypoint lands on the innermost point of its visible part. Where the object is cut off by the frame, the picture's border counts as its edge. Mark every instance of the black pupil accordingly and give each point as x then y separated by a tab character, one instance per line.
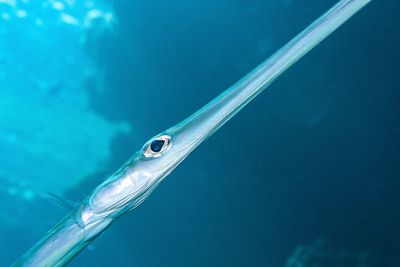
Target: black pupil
157	145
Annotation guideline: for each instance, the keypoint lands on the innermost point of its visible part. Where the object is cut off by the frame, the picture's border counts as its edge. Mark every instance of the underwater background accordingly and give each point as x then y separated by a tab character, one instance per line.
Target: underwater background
308	174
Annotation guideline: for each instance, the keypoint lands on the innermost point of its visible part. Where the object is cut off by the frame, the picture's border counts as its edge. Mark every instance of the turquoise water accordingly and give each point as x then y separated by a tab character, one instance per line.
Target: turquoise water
306	174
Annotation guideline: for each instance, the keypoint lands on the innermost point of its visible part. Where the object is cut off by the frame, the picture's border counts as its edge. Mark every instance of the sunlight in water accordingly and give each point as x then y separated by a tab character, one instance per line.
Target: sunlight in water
49	137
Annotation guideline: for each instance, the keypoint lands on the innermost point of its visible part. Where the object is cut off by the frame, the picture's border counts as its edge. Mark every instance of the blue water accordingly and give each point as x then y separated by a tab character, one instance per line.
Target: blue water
308	174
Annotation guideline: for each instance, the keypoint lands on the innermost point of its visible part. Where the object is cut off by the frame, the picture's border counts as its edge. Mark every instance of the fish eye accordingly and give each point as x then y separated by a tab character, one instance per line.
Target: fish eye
155	147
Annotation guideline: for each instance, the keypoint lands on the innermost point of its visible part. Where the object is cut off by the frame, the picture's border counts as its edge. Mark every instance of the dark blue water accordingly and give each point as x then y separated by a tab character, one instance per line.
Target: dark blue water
308	174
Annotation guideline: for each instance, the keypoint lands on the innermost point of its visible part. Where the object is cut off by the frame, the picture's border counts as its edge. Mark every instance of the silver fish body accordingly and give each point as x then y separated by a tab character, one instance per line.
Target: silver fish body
142	173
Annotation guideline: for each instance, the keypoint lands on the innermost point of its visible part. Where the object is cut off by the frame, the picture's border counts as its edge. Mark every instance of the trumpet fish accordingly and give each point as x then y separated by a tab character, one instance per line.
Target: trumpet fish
147	168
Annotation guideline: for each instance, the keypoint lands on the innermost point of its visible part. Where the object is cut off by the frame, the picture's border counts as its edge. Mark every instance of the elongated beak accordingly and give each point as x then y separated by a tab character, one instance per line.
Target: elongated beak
194	130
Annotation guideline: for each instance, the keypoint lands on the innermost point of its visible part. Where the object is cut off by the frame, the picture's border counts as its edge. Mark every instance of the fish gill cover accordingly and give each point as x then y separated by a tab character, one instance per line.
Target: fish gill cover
50	139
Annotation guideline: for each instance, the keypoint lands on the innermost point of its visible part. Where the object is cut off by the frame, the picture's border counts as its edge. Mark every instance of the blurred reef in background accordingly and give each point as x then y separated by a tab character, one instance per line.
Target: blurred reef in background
50	139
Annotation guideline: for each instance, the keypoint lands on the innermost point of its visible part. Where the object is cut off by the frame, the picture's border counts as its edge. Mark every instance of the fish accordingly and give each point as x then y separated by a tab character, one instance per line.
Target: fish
147	168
